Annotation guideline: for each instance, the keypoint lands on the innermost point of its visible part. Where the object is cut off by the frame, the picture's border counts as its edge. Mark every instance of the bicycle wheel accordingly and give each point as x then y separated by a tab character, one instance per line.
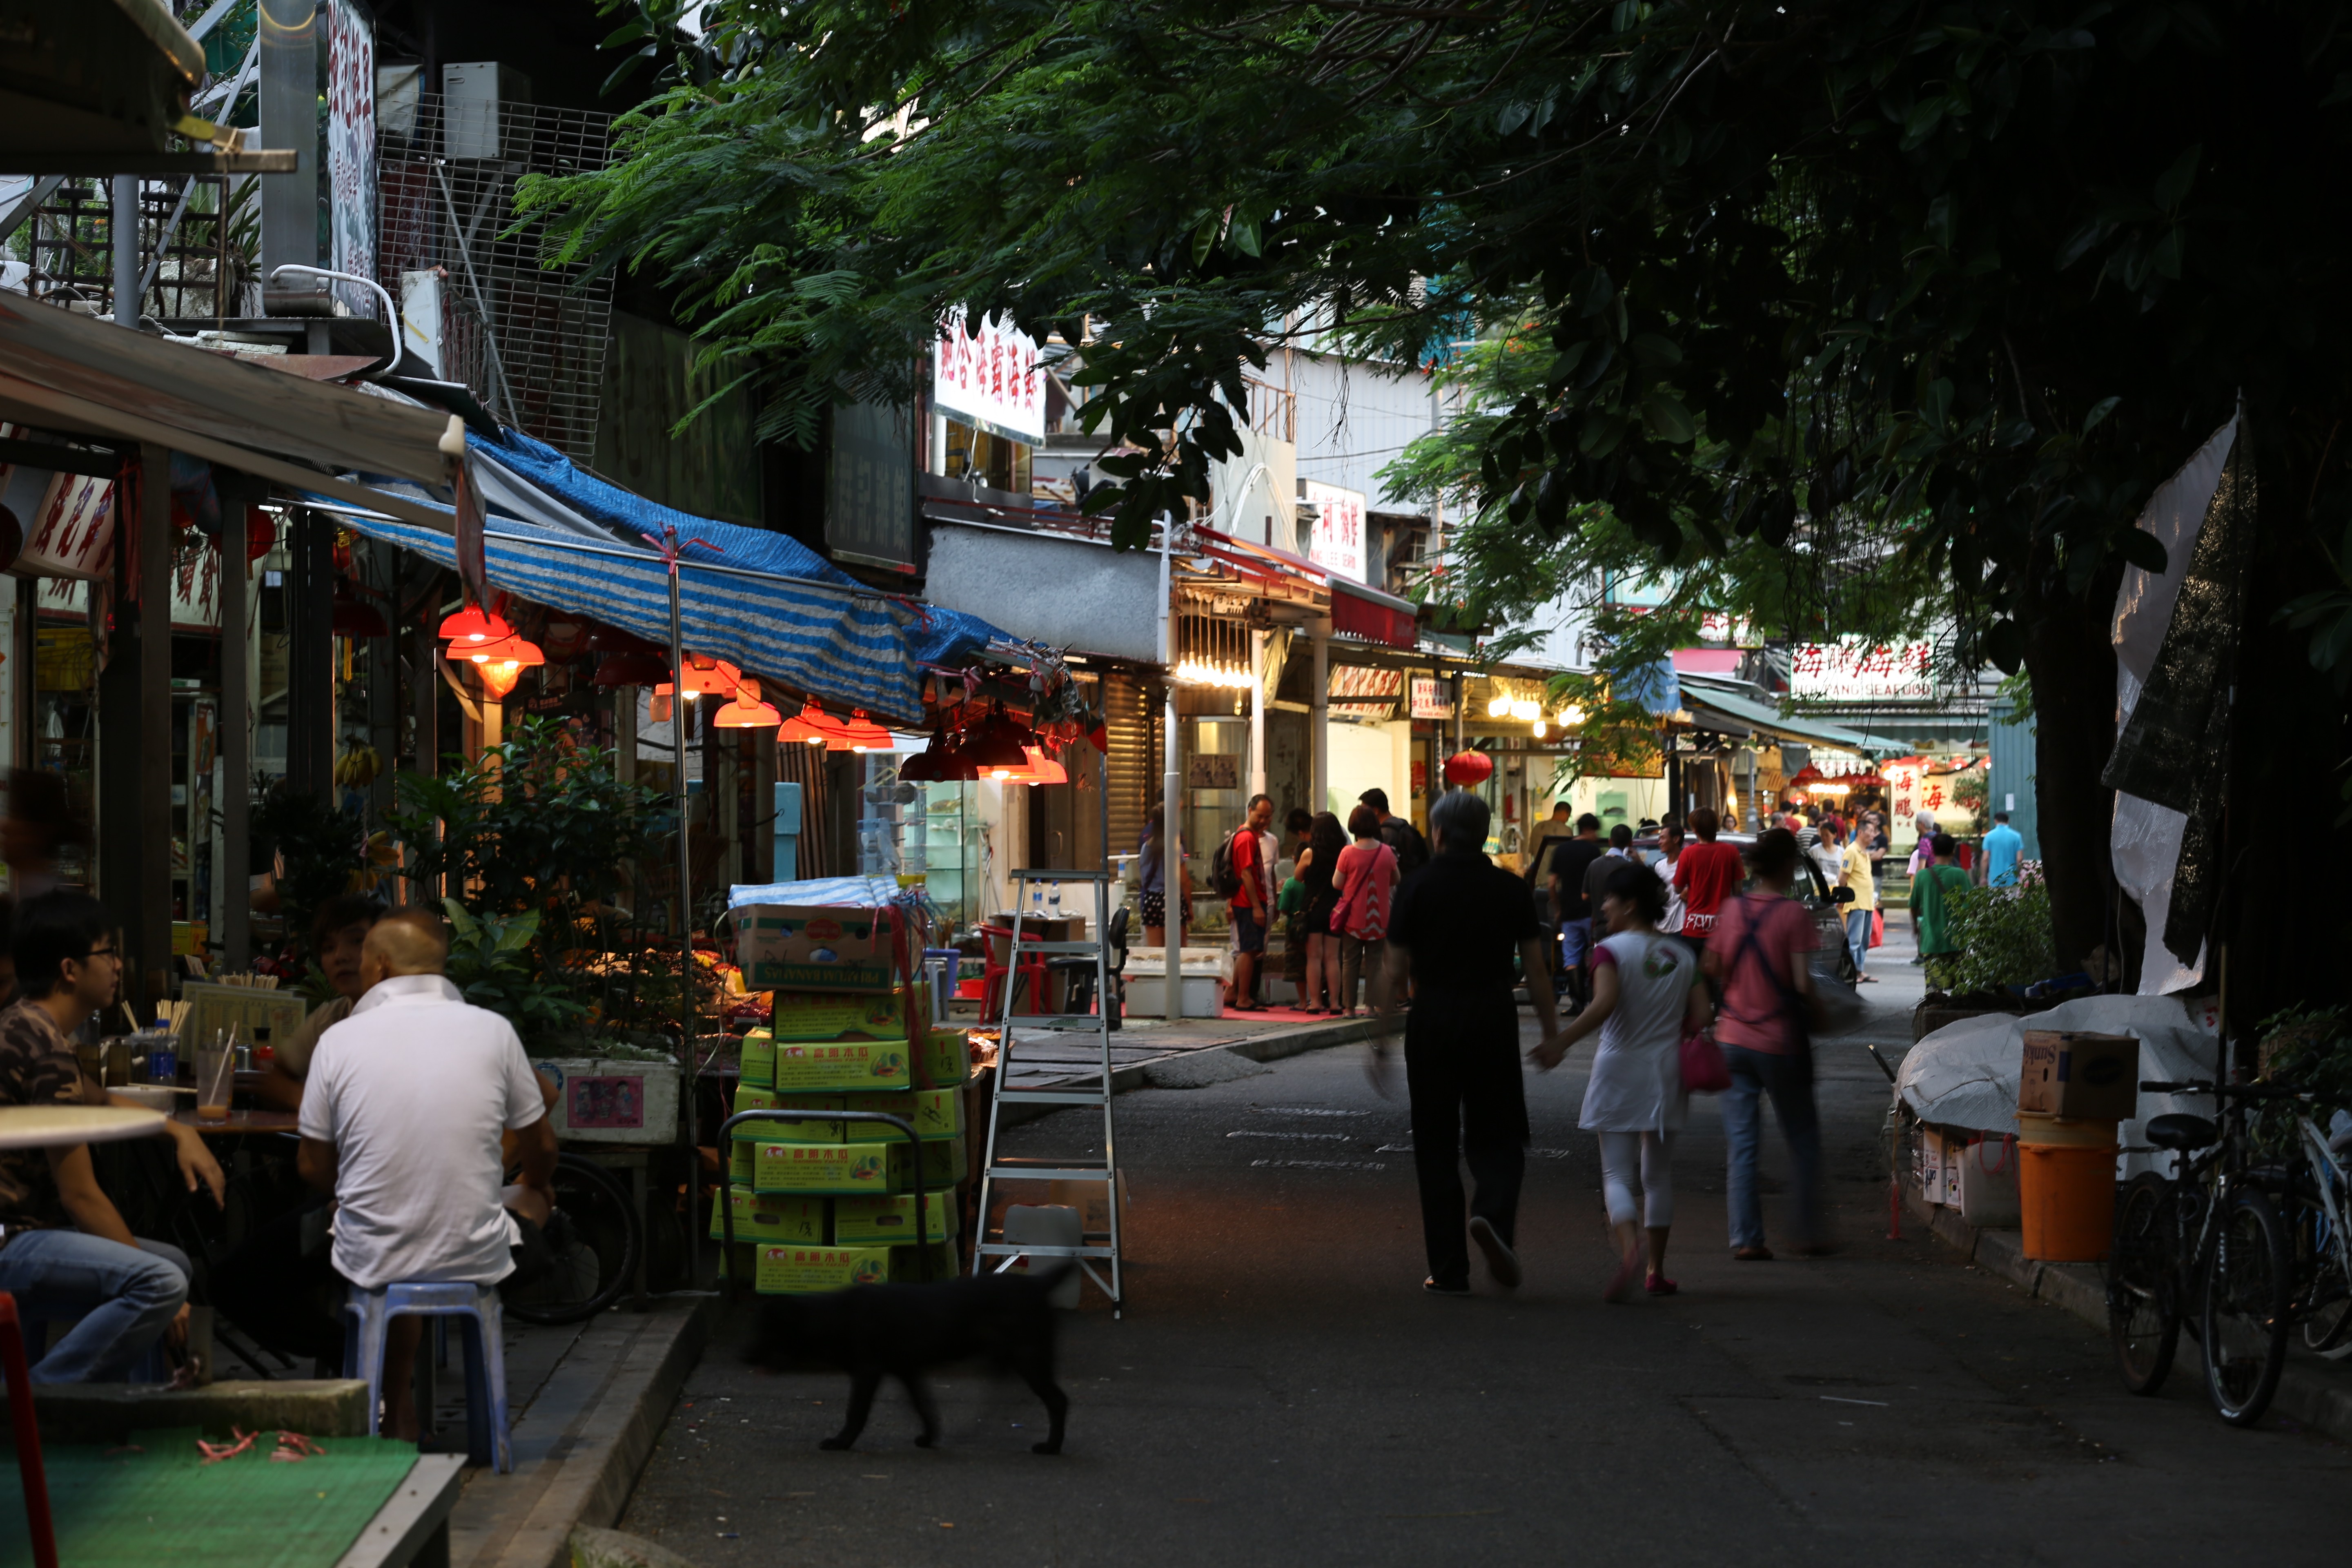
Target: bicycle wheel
596	1237
2246	1289
2143	1308
2323	1305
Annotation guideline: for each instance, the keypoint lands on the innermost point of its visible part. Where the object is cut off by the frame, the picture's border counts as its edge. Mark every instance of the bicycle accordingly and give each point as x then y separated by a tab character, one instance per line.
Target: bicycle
2316	1196
595	1239
2211	1235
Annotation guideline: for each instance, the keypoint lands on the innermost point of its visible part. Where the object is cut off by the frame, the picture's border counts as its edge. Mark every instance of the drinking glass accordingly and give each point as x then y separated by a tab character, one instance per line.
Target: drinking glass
215	1080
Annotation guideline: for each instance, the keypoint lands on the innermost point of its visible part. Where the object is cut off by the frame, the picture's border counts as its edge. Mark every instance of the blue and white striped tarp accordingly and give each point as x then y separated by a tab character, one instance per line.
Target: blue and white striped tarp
847	646
764	601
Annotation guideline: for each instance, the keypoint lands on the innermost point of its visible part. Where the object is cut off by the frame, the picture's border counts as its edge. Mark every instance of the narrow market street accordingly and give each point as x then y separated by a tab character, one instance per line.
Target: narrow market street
1281	1389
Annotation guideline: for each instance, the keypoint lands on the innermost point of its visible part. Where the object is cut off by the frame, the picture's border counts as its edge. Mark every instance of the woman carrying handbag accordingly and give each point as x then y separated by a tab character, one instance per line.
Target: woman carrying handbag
1645	1003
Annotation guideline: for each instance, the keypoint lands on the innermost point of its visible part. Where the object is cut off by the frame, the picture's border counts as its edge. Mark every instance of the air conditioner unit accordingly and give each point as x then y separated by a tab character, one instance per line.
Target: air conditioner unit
475	94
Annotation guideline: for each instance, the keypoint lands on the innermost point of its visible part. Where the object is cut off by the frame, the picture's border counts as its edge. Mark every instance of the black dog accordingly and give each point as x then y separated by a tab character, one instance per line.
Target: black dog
873	1331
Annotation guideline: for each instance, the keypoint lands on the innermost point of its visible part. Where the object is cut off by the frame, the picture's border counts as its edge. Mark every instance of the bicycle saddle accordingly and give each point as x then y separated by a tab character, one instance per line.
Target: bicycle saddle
2177	1131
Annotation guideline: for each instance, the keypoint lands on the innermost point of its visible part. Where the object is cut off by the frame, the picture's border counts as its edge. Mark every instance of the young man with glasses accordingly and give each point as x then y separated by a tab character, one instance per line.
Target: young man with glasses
64	1249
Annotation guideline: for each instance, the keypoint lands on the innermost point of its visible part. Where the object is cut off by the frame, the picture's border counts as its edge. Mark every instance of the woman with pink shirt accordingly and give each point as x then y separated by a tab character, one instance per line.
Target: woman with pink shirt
1365	879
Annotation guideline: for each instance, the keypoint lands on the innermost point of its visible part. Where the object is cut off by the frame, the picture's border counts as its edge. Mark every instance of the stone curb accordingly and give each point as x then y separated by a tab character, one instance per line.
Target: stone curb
2317	1399
583	1475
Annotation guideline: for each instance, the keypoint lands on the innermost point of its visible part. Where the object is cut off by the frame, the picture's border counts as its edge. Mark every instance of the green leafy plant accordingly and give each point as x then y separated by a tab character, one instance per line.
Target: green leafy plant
490	963
2310	1048
2006	937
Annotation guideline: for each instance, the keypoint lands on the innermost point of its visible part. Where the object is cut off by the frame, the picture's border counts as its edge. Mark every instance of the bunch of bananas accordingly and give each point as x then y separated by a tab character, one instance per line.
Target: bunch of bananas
357	768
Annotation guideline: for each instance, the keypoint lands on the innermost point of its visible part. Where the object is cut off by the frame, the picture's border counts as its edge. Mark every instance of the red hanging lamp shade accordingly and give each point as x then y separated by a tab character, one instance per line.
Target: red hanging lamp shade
353	617
706	676
499	676
472	627
863	735
746	711
810	726
508	649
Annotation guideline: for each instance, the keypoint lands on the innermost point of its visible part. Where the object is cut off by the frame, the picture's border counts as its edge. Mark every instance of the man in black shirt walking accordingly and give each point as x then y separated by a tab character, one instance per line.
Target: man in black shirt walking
1570	905
1458	922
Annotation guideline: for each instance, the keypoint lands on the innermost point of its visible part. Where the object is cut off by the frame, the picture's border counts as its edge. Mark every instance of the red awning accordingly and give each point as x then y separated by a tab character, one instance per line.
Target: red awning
1367	613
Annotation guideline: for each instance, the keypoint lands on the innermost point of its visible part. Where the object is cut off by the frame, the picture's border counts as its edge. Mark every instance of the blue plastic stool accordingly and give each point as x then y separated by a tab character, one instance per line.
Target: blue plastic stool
367	1318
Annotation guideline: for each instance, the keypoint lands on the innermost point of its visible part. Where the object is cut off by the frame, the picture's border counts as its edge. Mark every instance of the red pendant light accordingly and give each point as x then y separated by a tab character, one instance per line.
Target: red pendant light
354	618
746	711
863	735
809	726
472	627
499	676
508	650
706	676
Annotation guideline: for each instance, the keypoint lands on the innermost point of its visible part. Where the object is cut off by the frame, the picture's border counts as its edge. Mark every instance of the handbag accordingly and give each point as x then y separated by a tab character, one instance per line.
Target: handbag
1878	927
1703	1068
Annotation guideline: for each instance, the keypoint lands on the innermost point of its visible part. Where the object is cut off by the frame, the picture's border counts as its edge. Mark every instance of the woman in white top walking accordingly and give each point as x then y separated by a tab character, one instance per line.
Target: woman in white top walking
1644	1000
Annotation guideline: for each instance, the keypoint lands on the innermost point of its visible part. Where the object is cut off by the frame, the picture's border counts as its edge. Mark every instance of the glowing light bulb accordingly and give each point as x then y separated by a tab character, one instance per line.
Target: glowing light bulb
1499	707
1539	729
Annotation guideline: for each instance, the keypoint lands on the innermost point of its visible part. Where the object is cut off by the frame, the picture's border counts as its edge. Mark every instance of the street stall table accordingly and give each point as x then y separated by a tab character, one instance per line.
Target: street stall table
362	1503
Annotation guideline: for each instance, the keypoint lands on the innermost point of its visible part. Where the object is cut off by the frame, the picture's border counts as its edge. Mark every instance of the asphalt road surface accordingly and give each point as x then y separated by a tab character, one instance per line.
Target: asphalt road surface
1281	1391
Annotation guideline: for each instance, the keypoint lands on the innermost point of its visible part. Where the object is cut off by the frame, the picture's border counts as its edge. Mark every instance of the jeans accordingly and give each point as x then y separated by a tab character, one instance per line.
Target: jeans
1788	1078
125	1296
1461	1072
1857	935
1575	940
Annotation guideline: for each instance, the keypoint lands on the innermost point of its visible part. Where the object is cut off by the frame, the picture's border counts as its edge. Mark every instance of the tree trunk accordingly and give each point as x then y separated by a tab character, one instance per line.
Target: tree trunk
2073	662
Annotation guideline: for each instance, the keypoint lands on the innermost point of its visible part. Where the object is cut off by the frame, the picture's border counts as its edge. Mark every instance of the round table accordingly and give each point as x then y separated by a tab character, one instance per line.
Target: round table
52	1126
241	1121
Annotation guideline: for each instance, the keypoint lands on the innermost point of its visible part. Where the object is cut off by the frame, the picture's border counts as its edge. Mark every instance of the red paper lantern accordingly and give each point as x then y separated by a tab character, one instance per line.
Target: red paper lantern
1467	768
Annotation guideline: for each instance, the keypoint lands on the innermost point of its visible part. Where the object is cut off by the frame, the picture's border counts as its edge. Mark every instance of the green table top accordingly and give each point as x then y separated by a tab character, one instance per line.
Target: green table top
164	1504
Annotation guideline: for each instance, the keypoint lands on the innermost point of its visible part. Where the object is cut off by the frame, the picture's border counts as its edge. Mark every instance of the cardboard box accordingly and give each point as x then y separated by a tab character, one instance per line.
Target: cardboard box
842	1065
848	1169
602	1102
818	948
740	1164
788	1270
2079	1077
946	1160
759	1059
814	1130
761	1216
935	1112
907	1263
840	1015
947	1058
882	1220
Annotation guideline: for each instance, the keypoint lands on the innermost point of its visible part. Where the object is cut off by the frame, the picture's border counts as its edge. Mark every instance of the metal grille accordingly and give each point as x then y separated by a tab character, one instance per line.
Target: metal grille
528	340
204	225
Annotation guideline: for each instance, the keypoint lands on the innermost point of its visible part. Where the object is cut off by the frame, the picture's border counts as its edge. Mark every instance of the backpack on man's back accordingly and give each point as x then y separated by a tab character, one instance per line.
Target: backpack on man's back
1223	878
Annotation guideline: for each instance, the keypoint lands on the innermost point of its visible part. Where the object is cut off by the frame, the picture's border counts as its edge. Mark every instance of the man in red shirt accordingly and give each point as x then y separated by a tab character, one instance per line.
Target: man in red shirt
1252	904
1707	873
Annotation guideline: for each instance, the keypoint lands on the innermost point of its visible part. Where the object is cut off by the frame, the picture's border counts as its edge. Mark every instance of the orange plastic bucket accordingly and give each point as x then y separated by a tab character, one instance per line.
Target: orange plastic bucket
2067	1195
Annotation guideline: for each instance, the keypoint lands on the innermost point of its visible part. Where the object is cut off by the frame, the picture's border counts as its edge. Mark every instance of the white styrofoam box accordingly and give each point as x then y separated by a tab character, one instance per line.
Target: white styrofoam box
1928	1165
1203	996
1046	1225
1987	1196
602	1101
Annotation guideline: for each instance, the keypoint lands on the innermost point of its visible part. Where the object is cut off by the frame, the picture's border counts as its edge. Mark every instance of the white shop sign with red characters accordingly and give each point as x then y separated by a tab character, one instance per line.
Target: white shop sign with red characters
72	535
1337	543
988	376
1852	670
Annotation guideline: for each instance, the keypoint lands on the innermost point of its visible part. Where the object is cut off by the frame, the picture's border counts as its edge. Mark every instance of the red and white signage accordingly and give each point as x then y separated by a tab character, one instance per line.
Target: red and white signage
73	534
988	376
1338	539
1856	671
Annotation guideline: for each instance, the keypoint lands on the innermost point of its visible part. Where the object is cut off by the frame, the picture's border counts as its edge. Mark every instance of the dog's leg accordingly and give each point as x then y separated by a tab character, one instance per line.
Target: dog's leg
921	1396
1037	1372
862	1386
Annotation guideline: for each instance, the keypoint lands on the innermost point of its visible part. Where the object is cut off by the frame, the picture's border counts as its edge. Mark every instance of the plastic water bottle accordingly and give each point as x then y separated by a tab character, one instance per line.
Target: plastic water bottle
1036	902
1054	901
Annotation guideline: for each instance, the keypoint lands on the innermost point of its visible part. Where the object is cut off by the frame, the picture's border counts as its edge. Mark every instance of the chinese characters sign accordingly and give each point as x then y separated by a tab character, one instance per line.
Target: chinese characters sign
1866	672
1430	698
1337	543
349	167
988	377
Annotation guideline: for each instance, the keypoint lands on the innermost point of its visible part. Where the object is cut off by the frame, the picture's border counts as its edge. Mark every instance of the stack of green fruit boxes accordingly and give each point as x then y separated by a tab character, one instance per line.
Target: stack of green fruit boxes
825	1202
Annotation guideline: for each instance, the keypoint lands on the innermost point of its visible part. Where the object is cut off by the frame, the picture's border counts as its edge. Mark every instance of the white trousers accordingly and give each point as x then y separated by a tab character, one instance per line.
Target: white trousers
1652	1155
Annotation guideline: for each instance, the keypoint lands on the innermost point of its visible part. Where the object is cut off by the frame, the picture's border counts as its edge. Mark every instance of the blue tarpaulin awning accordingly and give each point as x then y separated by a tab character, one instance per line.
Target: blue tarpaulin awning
763	601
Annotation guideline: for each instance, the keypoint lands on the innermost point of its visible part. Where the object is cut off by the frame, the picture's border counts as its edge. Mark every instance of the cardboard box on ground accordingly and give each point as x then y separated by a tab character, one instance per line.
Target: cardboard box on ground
2079	1077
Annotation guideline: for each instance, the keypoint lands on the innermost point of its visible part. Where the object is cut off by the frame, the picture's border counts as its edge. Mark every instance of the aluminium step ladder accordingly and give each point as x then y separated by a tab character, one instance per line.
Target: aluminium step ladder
1097	1247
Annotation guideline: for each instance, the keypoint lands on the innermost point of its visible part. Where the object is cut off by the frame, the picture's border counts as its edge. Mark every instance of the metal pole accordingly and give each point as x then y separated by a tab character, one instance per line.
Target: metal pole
1257	713
1171	857
236	742
686	1039
122	234
1318	721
